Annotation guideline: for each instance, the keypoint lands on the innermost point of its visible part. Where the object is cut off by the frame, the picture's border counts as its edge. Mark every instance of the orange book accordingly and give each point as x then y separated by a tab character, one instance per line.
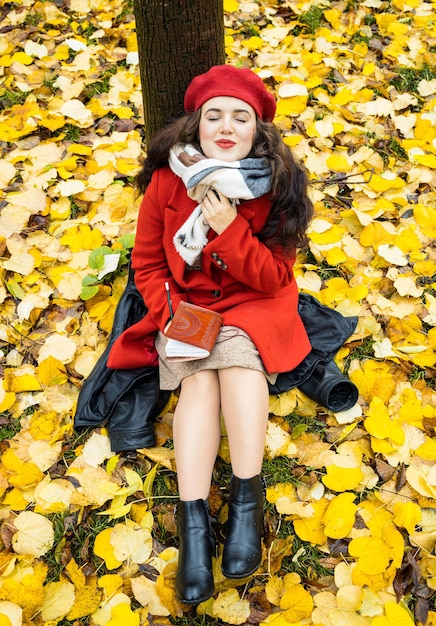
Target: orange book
192	332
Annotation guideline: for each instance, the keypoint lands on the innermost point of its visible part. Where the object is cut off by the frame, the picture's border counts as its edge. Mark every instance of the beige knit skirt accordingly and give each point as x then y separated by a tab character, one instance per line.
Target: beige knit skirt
234	348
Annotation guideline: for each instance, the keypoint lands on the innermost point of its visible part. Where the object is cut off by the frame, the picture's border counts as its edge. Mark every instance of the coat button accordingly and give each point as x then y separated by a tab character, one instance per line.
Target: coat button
219	262
216	293
223	266
214	255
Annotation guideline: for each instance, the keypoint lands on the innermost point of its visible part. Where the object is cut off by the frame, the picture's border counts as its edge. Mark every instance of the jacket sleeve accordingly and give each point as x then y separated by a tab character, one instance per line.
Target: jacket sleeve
238	251
149	260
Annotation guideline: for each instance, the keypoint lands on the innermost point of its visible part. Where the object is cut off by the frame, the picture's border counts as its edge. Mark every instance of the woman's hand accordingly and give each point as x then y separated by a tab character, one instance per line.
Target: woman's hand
218	211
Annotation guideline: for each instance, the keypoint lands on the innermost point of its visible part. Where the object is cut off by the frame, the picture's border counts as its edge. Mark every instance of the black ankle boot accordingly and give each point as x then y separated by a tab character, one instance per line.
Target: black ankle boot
194	580
243	550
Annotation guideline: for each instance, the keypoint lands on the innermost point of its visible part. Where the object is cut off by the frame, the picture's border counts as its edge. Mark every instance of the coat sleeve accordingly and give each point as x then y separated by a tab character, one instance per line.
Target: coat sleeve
149	259
240	253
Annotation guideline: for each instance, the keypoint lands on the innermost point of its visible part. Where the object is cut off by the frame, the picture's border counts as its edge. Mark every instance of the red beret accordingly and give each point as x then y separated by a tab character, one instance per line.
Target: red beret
227	80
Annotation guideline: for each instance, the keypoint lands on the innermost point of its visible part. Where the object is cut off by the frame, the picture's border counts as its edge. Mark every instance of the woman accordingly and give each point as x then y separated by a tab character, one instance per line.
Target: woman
225	208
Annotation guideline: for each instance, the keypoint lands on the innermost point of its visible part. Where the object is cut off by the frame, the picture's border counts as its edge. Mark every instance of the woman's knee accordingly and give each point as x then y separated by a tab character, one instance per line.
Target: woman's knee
204	381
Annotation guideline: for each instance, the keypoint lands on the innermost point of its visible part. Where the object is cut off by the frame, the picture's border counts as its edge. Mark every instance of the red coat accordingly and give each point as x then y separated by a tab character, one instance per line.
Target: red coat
250	285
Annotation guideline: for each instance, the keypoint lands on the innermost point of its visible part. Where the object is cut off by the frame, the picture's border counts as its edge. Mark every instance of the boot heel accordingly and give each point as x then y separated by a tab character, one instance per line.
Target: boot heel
243	547
194	579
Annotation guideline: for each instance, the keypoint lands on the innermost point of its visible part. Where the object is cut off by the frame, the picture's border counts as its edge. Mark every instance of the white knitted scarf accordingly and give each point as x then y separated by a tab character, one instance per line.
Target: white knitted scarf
238	180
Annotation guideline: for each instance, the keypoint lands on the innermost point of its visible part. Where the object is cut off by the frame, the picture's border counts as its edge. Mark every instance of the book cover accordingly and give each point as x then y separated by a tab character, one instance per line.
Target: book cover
192	332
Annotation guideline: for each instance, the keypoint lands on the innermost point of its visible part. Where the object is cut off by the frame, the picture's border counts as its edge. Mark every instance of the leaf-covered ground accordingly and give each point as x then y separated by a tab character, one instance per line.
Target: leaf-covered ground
88	537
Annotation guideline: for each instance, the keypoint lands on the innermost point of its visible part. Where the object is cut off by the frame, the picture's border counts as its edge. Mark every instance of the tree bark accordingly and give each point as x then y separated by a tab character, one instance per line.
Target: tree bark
177	39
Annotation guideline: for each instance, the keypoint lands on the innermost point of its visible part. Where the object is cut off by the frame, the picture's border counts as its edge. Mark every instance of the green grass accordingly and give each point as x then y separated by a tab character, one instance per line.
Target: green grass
323	269
10	426
33	19
8	99
387	148
305	560
408	78
72	132
419	373
312	19
279	470
103	84
360	352
302	424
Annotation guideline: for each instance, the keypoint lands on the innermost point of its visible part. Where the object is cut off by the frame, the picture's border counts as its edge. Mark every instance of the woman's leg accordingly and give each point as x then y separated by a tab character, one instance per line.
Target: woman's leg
244	401
196	432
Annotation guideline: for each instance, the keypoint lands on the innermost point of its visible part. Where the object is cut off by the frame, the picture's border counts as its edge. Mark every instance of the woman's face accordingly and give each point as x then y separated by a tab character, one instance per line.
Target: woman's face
227	128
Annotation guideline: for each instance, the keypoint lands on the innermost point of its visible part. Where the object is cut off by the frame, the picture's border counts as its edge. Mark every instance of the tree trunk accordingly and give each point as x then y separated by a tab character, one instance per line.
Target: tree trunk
177	39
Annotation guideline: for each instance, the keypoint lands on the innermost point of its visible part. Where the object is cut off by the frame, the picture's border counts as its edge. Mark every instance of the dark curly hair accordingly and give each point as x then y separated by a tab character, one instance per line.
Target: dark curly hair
291	209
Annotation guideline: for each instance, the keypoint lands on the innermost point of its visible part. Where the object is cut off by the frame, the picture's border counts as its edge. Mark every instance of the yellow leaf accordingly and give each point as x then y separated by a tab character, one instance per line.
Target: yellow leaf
118	509
53	496
10	613
335	256
82	237
340	478
110	583
23	58
280	490
429	160
373	554
52	372
44	424
421	477
7	400
104	549
283	404
373	379
148	485
123	112
395	615
253	43
331	235
340	516
145	593
58	599
229	607
59	347
291	106
407	515
35	534
278	442
384	182
230	6
26	588
18	381
276	585
427	450
425	217
131	542
311	529
160	455
131	43
380	425
96	450
80	149
87	594
123	614
15	500
328	613
297	603
339	163
22	474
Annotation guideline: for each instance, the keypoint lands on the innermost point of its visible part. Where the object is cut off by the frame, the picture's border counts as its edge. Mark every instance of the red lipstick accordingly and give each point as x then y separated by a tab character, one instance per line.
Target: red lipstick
225	143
